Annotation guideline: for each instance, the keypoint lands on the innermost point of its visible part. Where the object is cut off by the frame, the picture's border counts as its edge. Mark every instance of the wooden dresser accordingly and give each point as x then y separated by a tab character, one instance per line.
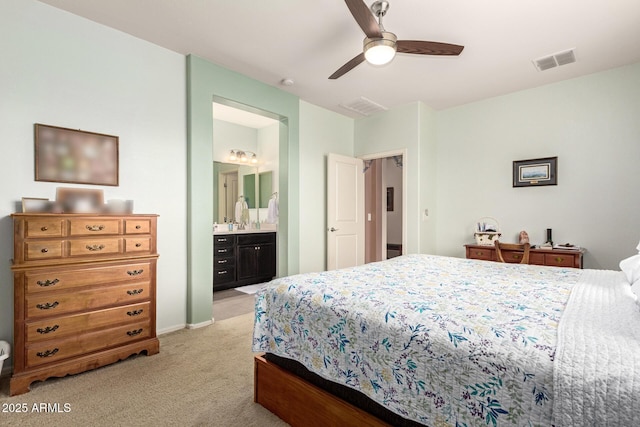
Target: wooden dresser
84	293
554	258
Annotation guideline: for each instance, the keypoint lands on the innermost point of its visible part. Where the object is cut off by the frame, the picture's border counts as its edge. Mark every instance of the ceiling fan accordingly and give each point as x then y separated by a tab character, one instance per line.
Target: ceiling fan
380	46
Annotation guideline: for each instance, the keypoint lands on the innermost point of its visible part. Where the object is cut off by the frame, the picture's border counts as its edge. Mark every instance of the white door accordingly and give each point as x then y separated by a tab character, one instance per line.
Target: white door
345	215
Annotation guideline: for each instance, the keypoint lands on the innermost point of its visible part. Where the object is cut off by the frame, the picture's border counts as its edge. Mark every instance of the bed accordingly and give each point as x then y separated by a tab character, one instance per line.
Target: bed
441	341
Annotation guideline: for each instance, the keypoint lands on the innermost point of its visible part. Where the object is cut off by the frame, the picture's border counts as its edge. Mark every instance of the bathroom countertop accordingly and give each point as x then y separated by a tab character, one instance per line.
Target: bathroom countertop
248	231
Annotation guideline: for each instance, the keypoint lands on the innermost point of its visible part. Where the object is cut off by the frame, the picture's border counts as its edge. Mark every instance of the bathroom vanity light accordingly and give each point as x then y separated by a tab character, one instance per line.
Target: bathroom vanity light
243	156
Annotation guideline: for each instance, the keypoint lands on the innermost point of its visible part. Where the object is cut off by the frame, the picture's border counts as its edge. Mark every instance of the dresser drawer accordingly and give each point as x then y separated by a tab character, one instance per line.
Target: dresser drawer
93	247
559	260
56	303
60	327
93	226
43	249
45	227
137	244
55	350
137	226
38	281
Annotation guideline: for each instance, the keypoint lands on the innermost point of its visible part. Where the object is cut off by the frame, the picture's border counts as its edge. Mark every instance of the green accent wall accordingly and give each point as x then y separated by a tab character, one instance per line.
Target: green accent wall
204	81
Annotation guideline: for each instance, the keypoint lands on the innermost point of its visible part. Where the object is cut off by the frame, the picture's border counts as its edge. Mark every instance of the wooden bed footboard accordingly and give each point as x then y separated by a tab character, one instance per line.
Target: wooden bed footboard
301	403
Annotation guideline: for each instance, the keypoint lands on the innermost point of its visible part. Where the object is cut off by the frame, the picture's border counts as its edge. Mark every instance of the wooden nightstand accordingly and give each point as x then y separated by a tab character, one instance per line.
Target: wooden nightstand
554	257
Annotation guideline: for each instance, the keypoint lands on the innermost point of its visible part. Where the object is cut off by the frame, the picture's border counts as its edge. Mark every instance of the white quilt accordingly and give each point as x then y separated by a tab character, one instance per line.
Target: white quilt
597	365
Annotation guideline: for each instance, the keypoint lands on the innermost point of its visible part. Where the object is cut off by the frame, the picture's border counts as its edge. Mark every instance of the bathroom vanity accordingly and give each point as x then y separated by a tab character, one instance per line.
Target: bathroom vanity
243	257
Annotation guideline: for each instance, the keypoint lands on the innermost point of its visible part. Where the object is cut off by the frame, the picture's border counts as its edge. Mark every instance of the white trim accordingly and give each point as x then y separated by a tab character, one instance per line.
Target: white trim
199	325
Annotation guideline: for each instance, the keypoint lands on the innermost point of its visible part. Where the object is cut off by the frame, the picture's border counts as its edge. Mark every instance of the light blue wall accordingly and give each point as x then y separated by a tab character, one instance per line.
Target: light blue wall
321	132
205	80
398	129
62	70
591	124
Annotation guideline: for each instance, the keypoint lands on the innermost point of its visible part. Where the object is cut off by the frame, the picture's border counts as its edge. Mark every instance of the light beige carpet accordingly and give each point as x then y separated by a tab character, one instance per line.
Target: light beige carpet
201	377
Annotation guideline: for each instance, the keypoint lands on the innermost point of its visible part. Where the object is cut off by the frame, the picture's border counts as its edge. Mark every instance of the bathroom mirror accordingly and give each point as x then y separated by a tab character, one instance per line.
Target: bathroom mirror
232	181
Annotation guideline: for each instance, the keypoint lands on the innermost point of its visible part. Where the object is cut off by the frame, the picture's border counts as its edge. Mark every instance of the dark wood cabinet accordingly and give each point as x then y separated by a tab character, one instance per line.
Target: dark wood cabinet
243	259
554	258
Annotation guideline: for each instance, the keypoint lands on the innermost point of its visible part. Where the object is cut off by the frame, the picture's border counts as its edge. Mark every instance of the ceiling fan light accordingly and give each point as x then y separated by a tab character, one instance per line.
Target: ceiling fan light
380	51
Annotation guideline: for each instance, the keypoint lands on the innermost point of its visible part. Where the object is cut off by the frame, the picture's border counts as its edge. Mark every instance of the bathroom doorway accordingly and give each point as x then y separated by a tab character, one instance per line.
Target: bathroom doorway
384	206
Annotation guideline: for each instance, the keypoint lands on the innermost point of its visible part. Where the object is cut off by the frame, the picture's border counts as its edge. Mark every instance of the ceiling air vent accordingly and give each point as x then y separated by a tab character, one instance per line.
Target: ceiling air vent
555	60
364	106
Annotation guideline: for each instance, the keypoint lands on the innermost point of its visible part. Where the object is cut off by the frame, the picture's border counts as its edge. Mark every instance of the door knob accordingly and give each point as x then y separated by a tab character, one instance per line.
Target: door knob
333	229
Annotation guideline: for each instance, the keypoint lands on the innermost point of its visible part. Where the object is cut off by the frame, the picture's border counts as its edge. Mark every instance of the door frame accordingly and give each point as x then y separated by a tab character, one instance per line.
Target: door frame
401	152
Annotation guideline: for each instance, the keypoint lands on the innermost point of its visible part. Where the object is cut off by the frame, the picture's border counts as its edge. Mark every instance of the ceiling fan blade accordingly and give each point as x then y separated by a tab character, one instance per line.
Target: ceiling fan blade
428	48
348	66
364	18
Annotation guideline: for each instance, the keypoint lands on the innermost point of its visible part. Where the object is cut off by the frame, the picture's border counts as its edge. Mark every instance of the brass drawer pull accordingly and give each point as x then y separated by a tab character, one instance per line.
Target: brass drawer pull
47	282
48	305
48	329
558	259
138	227
134	292
44	250
47	353
44	228
95	227
134	333
134	312
95	248
138	245
135	272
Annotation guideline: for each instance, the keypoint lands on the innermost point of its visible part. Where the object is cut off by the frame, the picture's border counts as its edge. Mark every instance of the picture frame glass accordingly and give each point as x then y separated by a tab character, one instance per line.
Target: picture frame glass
75	156
535	172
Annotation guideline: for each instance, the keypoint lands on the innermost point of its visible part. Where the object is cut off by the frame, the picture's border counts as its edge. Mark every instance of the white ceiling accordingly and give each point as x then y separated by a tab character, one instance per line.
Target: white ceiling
240	117
307	41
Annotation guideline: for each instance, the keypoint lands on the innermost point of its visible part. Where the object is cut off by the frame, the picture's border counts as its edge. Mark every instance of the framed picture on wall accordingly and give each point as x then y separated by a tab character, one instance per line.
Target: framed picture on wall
535	172
390	199
75	156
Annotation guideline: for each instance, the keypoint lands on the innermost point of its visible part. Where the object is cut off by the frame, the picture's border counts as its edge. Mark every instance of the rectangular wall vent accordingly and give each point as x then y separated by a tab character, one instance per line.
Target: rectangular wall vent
364	106
555	60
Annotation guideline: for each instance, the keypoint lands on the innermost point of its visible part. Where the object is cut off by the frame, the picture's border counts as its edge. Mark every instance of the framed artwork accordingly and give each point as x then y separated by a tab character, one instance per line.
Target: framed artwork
390	199
79	200
535	172
75	156
32	204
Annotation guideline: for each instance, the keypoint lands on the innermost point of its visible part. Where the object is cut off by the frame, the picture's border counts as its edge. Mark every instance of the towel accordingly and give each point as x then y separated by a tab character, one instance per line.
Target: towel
272	211
241	205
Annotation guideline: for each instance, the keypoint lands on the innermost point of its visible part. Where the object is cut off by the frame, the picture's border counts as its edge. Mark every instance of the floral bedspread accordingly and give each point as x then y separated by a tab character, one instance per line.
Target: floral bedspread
442	341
